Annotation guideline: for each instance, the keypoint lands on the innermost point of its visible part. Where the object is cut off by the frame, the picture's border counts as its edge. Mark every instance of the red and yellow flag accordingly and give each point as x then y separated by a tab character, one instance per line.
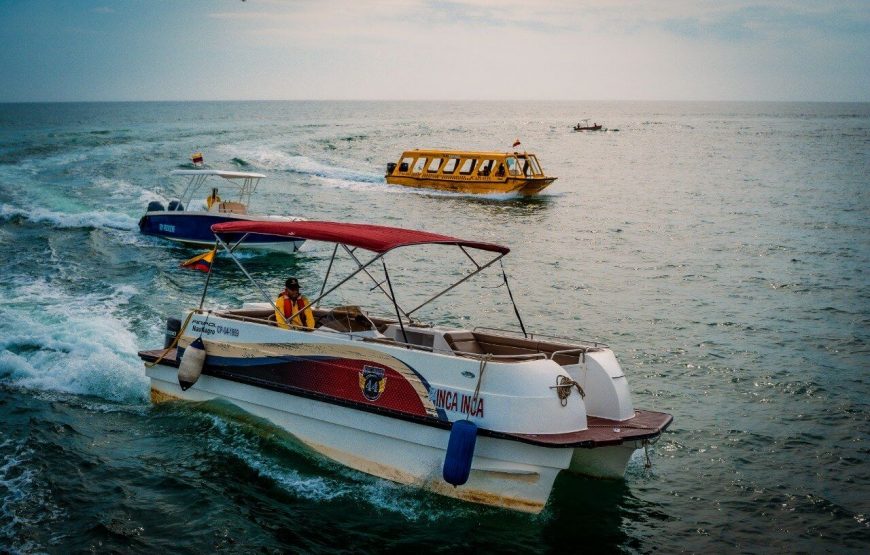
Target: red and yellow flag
201	262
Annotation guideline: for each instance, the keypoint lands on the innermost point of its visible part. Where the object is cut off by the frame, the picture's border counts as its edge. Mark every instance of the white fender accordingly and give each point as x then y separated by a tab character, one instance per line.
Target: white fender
191	364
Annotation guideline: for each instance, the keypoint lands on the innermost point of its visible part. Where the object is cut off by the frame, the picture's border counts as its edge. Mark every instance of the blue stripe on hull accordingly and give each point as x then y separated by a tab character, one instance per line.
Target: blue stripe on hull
190	228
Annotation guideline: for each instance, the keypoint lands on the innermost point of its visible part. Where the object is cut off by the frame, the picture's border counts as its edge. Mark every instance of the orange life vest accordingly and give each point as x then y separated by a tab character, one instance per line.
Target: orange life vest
286	308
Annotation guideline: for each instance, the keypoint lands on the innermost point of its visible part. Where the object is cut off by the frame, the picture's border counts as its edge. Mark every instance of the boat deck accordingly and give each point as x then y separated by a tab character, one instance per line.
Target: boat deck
601	432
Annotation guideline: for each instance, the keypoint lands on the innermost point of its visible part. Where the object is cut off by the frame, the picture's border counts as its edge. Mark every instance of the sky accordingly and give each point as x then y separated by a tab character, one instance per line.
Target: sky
778	50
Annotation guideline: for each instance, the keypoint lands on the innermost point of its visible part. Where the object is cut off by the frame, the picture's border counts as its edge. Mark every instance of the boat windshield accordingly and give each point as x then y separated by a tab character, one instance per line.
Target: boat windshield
536	168
512	165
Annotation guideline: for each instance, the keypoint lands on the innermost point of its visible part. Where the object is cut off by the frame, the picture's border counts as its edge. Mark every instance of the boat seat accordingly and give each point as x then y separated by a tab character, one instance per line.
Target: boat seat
232	208
463	342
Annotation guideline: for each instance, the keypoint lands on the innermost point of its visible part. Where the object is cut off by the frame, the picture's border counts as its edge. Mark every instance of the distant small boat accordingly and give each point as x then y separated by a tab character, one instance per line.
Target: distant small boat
584	126
470	172
188	220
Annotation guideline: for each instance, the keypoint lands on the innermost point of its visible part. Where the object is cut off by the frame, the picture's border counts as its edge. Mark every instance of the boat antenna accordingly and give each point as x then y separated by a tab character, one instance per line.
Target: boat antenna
393	297
511	295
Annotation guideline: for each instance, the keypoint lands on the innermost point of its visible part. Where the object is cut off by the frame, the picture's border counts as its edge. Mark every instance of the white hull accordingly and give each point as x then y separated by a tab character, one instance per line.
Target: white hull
396	424
504	473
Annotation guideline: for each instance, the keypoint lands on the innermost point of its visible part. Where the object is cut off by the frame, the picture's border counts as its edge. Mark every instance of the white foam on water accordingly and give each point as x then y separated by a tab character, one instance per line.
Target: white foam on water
52	341
386	495
92	219
274	159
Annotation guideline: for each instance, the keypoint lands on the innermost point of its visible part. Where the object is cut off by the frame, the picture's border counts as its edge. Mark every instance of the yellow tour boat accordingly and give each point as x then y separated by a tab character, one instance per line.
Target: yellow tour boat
469	172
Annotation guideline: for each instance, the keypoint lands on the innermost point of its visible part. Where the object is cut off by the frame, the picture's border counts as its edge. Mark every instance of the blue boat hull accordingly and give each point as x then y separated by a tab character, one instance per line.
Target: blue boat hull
194	229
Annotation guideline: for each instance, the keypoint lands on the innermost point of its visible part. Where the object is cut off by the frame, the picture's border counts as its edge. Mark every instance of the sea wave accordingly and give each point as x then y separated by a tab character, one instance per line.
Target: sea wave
274	159
50	341
91	219
26	503
234	438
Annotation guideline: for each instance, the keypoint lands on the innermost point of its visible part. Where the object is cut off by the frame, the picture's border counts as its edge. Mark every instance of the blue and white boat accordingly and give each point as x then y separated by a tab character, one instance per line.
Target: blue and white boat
188	218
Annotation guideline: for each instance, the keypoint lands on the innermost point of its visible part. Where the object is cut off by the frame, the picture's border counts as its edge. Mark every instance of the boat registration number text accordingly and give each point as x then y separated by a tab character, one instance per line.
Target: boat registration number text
210	328
168	228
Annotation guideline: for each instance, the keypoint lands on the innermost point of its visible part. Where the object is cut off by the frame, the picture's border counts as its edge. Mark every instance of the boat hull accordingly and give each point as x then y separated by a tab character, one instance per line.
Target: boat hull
504	473
380	407
193	229
476	185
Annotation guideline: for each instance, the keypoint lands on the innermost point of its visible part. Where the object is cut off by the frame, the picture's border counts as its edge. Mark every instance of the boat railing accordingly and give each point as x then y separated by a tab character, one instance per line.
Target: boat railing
534	336
519	357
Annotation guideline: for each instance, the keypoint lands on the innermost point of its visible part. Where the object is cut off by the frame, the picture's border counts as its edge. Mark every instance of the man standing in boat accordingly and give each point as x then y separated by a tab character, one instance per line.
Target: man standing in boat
289	302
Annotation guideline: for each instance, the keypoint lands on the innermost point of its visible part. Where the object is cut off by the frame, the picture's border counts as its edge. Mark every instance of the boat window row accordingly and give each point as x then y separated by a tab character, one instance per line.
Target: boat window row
515	166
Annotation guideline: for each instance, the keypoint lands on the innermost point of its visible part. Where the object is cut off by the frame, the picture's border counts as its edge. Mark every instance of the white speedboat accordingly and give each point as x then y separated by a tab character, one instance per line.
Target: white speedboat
188	219
484	415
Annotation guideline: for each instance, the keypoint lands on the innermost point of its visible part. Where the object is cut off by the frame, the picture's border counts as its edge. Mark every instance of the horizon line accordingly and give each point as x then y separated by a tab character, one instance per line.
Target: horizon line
155	101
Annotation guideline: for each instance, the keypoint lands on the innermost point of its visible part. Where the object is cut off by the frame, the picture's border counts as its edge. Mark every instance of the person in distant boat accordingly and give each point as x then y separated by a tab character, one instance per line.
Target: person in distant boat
212	199
289	302
500	171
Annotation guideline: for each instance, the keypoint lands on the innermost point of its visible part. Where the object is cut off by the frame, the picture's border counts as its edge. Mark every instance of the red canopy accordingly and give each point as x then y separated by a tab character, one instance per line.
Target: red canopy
375	238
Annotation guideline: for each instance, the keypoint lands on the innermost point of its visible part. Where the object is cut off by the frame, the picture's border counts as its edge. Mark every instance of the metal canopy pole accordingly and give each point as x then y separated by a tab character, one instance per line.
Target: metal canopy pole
329	269
463	280
469	256
511	295
340	283
377	284
395	304
244	271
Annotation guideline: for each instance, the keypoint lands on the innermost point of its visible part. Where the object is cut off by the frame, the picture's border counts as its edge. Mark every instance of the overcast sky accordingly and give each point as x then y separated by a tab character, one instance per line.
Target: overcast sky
467	49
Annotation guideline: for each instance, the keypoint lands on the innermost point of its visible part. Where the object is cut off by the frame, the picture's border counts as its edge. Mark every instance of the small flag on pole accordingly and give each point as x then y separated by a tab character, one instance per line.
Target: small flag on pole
197	159
517	143
200	262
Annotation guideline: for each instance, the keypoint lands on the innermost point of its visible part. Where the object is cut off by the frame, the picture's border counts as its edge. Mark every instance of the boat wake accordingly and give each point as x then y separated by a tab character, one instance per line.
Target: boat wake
253	449
94	219
53	341
274	159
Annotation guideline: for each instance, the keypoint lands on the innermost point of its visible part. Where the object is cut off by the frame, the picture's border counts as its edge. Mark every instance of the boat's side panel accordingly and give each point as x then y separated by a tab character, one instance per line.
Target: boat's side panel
194	228
475	185
504	473
602	462
514	397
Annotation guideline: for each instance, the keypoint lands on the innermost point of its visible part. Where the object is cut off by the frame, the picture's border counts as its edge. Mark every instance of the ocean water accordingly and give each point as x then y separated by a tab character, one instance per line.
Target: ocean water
721	249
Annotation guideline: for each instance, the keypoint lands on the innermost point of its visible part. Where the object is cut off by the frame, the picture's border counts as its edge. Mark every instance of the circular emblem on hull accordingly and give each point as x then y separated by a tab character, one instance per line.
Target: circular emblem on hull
372	382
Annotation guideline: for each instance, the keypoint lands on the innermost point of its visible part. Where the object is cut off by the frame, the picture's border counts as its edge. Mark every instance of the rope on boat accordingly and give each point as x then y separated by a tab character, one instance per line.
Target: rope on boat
173	344
563	389
480	371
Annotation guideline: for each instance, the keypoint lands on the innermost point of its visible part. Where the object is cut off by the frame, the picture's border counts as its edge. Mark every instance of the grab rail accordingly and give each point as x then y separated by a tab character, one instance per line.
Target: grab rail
533	335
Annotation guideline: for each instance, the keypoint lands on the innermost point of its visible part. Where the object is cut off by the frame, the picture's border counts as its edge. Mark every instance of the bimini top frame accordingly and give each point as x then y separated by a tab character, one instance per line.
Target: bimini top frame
375	238
246	182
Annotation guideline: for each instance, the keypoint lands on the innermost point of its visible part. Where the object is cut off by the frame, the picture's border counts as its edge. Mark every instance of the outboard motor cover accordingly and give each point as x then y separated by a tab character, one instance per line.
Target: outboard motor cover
173	325
155	206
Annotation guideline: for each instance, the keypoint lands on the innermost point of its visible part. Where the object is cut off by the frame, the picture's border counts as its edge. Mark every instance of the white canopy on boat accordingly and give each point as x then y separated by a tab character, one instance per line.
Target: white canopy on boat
222	173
